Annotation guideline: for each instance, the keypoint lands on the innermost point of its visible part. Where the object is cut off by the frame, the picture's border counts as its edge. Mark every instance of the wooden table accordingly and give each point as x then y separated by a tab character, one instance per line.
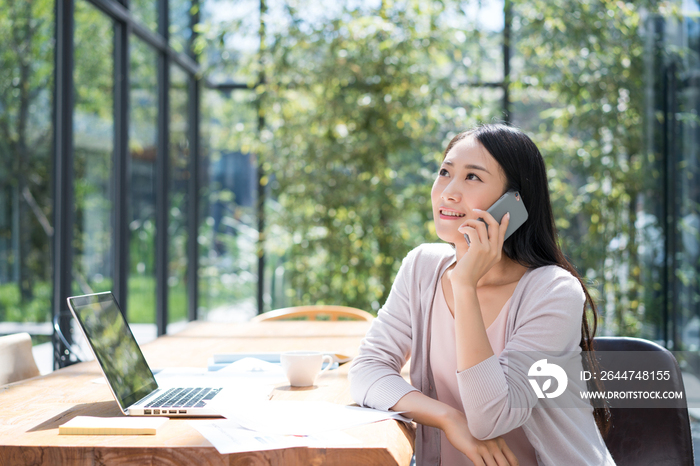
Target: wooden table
32	410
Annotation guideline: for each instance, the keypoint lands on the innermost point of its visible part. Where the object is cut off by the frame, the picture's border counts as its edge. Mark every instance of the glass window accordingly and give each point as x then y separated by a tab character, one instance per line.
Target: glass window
146	12
237	39
179	28
143	141
686	326
177	196
93	133
228	226
26	224
670	249
481	50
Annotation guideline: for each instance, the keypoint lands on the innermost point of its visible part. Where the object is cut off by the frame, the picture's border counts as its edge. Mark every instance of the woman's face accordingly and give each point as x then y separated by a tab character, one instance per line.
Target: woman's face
469	178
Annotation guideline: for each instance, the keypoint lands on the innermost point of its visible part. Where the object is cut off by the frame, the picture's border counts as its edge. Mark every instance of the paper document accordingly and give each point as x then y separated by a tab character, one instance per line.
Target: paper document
252	378
88	425
252	367
229	437
225	358
287	417
250	370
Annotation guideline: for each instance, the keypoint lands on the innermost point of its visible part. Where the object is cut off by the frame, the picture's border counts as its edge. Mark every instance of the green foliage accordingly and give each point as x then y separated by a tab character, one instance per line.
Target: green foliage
579	90
14	309
93	146
26	80
358	103
357	108
351	109
93	70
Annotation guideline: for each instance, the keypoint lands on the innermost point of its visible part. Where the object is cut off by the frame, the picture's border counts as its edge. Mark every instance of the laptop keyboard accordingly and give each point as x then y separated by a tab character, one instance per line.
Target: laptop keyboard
184	398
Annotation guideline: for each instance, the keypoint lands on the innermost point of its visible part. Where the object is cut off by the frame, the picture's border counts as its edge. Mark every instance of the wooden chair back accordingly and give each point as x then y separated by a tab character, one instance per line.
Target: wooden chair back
319	312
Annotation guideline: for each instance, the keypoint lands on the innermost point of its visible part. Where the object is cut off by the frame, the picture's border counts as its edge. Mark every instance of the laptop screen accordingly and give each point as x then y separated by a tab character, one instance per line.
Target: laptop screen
114	346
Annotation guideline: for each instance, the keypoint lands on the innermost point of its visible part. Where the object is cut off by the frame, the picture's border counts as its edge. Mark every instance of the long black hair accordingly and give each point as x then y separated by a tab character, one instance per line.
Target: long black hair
535	244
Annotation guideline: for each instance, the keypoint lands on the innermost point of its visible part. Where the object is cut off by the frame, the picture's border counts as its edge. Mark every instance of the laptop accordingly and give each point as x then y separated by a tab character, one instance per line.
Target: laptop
128	375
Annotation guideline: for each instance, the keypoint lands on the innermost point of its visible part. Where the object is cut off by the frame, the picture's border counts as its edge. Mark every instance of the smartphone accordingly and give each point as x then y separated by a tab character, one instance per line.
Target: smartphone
509	202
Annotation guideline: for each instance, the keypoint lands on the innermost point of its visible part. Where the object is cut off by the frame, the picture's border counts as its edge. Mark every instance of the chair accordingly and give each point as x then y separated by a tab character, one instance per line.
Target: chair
647	436
16	358
332	313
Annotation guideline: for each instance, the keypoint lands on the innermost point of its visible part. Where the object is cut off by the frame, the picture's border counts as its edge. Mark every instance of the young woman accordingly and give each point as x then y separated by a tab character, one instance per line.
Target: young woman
457	310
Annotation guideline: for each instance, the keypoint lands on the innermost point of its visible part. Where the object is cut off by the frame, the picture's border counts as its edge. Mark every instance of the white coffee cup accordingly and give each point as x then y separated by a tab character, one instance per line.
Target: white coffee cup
302	367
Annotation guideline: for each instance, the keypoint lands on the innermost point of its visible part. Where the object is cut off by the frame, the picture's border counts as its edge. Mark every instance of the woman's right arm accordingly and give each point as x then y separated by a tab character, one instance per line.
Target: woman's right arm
375	375
433	413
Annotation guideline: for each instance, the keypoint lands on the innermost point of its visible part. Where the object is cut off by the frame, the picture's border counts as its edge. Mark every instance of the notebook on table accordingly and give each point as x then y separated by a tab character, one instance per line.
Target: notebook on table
128	375
89	425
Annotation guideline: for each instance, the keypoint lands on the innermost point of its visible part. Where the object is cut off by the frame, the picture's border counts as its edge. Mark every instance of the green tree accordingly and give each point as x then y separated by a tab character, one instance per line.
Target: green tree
93	134
26	78
579	90
359	101
358	107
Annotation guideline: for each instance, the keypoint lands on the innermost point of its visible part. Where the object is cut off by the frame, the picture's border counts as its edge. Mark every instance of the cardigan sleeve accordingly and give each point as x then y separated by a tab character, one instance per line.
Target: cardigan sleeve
375	376
496	393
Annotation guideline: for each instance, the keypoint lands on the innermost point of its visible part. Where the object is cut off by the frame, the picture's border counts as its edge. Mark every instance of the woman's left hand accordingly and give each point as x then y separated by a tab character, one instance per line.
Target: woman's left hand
485	249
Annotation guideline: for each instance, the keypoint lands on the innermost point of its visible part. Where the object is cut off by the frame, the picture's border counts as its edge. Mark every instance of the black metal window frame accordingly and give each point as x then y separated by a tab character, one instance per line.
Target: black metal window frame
125	25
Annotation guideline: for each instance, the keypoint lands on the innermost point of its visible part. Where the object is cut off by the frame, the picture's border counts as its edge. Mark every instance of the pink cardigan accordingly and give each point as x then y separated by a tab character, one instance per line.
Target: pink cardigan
545	315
